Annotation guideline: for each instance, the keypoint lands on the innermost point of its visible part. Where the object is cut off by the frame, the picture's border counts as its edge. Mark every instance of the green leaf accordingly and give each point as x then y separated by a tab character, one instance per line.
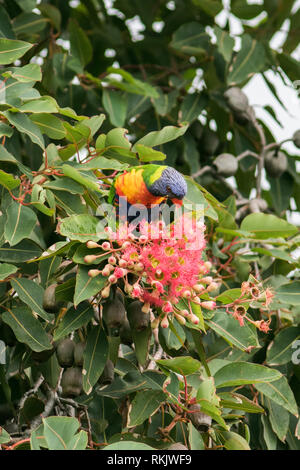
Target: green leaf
27	23
11	50
27	328
128	445
6	30
87	286
233	441
236	401
20	222
81	227
242	9
45	104
74	319
289	293
195	438
225	43
147	154
132	84
5	130
24	251
191	39
115	104
27	74
166	134
192	106
280	351
74	174
280	392
50	125
31	294
279	418
4	436
242	373
26	126
183	365
81	47
131	382
144	405
264	226
229	328
6	270
250	59
94	358
8	181
141	340
59	432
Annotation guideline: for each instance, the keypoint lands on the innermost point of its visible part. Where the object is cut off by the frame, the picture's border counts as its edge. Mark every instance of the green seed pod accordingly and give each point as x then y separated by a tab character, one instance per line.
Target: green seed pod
296	139
108	373
125	333
114	313
49	302
209	142
78	354
177	446
275	163
65	352
226	164
71	382
200	420
236	99
138	320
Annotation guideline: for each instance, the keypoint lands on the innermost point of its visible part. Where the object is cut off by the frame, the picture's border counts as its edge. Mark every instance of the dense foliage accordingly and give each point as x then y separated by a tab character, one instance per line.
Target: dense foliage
86	93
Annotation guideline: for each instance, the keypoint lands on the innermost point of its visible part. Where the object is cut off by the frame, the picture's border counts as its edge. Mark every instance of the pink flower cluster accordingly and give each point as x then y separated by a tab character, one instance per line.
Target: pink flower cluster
159	266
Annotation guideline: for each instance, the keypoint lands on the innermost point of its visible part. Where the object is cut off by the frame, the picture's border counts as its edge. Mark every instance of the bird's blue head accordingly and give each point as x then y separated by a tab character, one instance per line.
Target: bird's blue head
171	184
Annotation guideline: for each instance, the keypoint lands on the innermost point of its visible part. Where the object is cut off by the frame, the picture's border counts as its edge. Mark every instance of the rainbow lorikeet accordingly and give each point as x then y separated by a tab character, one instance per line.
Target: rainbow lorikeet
149	185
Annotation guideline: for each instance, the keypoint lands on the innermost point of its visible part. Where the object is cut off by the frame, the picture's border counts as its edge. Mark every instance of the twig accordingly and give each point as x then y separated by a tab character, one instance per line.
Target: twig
200	172
156	357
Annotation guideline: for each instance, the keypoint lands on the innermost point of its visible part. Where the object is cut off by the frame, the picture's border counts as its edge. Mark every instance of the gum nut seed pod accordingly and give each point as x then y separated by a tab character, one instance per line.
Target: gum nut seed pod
275	163
92	244
108	373
126	334
105	292
208	304
296	139
65	352
209	142
78	353
71	382
165	322
114	314
226	164
50	304
199	288
208	265
138	320
212	287
236	99
177	446
200	420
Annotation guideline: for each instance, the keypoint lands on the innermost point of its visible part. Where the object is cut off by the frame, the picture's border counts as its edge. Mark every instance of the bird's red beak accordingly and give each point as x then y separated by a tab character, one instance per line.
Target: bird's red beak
178	202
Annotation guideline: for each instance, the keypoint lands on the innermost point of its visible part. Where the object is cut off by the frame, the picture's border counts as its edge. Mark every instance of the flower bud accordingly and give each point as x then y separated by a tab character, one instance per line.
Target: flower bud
91	244
184	313
105	246
167	307
106	270
165	322
213	286
112	279
207	280
187	294
208	265
94	272
112	260
125	245
199	288
90	258
146	307
123	263
209	305
105	292
181	320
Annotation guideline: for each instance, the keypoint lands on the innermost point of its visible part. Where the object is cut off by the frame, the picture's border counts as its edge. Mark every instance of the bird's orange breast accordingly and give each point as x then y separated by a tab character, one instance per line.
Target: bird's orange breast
132	186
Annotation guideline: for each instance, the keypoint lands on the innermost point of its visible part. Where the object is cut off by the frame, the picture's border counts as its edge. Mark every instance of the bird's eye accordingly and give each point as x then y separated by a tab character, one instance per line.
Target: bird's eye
168	189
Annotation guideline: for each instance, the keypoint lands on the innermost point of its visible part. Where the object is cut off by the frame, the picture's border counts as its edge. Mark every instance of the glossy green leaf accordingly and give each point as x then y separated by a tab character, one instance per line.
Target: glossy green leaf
26	126
249	60
264	226
74	319
144	405
27	328
280	392
183	365
31	294
166	134
242	373
289	293
6	270
280	351
87	286
11	50
20	222
94	358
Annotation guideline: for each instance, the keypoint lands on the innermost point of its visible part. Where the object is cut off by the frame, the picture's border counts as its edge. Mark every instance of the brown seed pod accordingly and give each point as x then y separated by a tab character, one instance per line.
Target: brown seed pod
108	373
78	354
138	320
275	163
49	301
226	164
71	382
200	420
209	142
65	352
